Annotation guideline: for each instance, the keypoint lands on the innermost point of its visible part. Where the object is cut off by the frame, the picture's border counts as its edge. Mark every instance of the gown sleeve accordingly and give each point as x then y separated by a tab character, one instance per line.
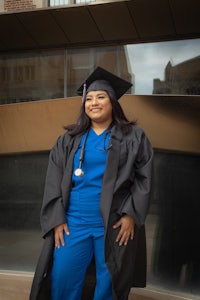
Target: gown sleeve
137	203
52	211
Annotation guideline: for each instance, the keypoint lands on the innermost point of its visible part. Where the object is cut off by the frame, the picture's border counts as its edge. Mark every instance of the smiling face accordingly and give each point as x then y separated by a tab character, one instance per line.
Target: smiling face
98	107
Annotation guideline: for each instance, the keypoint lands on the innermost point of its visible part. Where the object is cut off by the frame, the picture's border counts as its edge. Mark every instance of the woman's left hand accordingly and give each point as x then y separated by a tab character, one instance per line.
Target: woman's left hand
126	232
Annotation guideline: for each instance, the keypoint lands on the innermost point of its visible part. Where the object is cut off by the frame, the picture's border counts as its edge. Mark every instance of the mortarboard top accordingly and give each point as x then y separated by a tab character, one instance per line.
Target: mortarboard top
101	79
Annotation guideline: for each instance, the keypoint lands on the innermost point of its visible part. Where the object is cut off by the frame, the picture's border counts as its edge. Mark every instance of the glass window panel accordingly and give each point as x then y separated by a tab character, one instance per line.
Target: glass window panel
28	77
22	180
166	67
154	68
84	1
80	63
58	2
173	224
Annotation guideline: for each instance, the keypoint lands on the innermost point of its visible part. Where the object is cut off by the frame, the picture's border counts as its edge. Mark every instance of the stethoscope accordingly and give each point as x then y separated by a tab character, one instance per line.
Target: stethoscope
79	171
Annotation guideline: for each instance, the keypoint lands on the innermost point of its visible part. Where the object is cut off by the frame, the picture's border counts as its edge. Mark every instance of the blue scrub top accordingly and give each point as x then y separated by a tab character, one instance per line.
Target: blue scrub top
84	204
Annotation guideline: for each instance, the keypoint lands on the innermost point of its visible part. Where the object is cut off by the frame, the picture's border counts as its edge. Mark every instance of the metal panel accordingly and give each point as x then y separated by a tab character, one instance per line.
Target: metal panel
43	28
100	24
13	34
186	16
152	18
114	21
77	24
2	45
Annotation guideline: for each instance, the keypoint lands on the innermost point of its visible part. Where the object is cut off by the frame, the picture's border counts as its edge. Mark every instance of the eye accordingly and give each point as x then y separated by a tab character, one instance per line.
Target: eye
101	96
88	99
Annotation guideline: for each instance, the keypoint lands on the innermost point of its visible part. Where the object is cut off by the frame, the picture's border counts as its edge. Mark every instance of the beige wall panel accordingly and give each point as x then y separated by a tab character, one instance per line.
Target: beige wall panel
34	126
172	123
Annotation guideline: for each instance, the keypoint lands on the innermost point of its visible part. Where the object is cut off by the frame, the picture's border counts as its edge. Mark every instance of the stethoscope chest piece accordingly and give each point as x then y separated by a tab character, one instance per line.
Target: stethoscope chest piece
79	172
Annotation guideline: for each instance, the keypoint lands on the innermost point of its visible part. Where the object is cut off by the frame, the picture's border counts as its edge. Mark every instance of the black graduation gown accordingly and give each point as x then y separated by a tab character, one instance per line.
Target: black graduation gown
125	190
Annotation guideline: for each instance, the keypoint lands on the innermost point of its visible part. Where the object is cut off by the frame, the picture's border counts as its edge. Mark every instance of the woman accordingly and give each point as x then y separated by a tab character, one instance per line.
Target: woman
96	199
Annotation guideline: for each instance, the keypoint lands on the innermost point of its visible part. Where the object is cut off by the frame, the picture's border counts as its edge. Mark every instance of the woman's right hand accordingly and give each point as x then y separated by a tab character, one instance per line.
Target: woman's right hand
58	234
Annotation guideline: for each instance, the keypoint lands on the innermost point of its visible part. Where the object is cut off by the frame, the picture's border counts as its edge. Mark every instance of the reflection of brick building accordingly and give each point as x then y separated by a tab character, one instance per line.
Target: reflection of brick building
183	78
31	77
81	64
8	5
45	76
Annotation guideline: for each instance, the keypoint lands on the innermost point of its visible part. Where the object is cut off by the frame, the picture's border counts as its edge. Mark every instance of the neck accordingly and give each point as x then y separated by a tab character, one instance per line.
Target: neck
100	127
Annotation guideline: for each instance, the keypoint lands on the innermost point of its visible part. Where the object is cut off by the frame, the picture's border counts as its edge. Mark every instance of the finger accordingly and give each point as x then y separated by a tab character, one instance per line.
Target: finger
132	235
57	241
119	236
125	242
61	237
66	229
118	224
124	239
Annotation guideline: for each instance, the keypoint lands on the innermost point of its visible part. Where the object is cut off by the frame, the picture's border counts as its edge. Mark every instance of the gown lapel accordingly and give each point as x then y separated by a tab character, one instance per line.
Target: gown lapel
70	150
110	174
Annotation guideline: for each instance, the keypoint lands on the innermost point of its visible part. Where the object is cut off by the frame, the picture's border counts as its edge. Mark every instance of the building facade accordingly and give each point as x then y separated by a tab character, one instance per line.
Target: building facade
47	48
183	78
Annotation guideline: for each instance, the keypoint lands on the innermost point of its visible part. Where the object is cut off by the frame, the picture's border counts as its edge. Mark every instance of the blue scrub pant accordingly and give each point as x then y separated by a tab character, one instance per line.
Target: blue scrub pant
72	260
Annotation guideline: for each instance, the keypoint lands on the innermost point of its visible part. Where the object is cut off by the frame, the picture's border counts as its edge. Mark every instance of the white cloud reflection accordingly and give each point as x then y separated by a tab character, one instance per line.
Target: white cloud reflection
148	61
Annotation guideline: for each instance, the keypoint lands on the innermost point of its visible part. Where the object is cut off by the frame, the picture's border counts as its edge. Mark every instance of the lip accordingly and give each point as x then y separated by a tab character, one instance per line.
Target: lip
95	109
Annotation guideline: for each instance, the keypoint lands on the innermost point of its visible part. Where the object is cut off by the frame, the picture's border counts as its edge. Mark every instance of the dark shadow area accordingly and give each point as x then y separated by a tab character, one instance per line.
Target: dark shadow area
172	225
176	254
22	180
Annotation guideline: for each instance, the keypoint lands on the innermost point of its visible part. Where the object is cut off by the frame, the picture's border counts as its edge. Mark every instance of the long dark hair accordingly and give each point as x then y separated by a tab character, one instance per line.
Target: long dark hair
118	118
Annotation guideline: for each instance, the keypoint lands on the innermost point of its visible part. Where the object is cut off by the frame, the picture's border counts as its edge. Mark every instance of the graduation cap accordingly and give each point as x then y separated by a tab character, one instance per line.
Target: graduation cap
101	79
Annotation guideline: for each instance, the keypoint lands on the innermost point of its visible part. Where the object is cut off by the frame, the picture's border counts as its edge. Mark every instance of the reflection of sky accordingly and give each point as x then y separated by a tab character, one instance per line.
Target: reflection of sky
148	61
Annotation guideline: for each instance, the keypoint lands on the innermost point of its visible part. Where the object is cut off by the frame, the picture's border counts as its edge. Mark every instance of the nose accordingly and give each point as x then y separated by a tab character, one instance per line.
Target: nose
94	101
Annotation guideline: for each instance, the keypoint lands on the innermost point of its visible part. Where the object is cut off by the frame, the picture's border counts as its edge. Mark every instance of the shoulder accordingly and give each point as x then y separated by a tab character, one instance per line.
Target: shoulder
62	141
138	131
134	133
62	147
137	138
64	138
66	142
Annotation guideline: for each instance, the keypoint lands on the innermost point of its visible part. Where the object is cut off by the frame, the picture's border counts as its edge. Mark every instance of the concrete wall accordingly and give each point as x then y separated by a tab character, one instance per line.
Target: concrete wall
171	122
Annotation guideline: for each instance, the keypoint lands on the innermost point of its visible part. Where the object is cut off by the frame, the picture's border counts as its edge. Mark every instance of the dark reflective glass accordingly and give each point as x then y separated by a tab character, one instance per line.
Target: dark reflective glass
153	68
30	77
166	68
22	181
82	62
172	225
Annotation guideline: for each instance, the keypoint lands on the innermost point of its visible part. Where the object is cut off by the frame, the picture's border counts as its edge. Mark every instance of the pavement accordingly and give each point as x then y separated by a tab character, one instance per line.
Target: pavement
15	285
19	251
